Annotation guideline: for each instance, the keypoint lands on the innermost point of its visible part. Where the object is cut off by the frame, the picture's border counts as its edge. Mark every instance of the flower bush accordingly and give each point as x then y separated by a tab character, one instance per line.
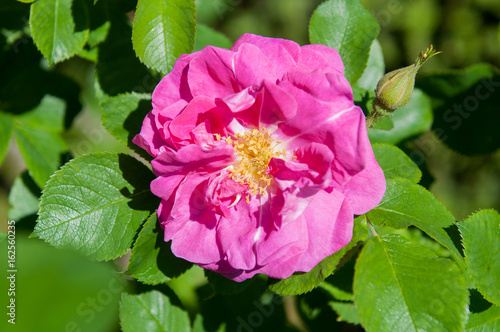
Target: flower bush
261	157
259	165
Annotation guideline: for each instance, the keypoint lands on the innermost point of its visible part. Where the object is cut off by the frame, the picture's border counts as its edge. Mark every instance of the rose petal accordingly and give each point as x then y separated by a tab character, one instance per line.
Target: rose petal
329	220
174	86
211	73
366	189
192	222
281	54
319	57
236	236
193	158
149	138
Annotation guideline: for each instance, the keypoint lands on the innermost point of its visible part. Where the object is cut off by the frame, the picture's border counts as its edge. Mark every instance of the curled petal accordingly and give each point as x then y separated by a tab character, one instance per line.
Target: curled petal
211	73
193	158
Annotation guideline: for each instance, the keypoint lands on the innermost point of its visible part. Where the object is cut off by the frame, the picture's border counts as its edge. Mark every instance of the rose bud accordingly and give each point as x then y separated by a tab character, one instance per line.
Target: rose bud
395	88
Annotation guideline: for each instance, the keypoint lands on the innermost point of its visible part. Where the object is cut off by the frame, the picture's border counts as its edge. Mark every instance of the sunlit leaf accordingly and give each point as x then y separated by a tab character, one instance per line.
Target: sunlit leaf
410	120
485	321
375	68
118	69
481	240
23	197
152	312
95	204
163	30
59	27
406	203
348	27
395	163
38	136
402	286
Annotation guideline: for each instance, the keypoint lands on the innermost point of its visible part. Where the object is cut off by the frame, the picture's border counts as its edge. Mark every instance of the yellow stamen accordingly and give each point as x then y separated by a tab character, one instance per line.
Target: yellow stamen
256	148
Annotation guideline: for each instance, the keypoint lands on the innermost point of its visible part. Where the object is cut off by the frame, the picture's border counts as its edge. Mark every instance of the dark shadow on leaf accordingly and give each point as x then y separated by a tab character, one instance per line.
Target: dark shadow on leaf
170	265
133	124
141	288
477	302
419	159
27	221
239	310
316	313
363	99
30	184
454	235
80	12
118	68
343	277
140	177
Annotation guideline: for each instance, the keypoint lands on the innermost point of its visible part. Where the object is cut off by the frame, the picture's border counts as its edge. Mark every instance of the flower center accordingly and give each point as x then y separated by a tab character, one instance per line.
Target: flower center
255	148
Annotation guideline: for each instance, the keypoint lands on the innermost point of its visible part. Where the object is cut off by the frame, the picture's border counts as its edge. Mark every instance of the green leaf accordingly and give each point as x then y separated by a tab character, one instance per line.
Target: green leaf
163	30
384	124
151	311
90	55
84	294
346	311
375	68
481	240
406	203
363	98
207	36
395	163
38	136
151	260
488	320
99	35
95	204
336	292
402	286
466	103
6	129
23	197
123	116
410	120
302	283
349	28
56	33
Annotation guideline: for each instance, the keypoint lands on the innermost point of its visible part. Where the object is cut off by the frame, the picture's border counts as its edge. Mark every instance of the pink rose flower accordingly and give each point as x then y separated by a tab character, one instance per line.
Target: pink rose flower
261	157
